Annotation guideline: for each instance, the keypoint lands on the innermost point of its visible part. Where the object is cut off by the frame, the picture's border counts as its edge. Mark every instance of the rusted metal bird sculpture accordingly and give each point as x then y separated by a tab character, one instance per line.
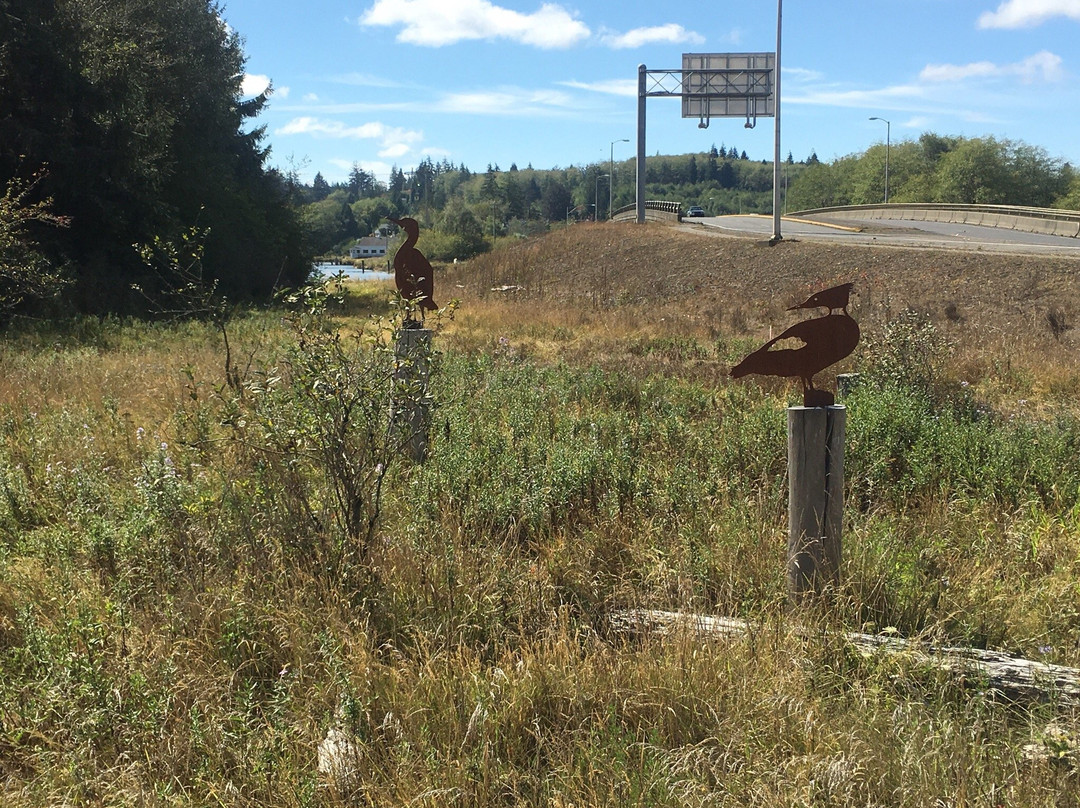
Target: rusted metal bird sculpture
825	341
412	271
831	299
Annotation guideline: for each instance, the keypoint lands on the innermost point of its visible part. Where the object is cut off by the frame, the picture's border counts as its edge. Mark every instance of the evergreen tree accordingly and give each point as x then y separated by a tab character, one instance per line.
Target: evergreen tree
711	167
135	108
514	195
490	188
555	199
320	188
726	177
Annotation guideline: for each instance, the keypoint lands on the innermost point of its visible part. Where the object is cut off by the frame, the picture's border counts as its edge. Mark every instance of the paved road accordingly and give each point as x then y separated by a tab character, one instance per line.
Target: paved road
939	235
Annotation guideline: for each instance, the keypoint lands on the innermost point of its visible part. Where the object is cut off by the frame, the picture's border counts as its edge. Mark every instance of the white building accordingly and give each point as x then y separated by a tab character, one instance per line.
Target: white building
369	247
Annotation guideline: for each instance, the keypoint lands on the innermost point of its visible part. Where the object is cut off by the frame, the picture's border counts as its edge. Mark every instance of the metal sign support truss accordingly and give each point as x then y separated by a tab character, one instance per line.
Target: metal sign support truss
713	86
745	91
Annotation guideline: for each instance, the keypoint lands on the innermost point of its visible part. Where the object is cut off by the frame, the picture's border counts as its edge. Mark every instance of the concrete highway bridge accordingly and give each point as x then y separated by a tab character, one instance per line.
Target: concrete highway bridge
999	228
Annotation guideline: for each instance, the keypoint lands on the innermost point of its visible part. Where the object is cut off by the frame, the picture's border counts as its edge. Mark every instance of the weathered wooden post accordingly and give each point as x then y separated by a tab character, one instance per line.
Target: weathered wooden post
815	438
815	498
411	416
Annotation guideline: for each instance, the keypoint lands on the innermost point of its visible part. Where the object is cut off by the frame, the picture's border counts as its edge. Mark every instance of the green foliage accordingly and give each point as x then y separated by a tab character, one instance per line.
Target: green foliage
936	169
908	352
183	288
917	434
136	109
24	271
1071	198
319	427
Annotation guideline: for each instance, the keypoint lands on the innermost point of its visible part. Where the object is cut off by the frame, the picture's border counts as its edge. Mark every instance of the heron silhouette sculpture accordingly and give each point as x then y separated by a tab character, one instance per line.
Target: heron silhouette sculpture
825	341
412	271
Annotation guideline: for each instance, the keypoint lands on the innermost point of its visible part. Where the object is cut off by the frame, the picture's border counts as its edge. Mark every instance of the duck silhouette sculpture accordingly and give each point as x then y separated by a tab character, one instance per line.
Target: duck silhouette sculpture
825	341
412	271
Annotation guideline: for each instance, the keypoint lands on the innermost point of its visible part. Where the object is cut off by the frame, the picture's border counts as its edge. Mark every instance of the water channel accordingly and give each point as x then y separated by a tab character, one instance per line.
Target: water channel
353	273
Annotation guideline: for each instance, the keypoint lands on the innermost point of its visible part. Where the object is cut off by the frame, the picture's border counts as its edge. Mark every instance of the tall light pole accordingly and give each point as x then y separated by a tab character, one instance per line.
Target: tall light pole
611	173
777	236
596	195
888	144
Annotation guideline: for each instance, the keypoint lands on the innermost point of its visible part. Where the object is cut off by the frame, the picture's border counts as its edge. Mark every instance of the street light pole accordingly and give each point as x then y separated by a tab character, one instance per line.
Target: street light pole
888	144
611	173
777	236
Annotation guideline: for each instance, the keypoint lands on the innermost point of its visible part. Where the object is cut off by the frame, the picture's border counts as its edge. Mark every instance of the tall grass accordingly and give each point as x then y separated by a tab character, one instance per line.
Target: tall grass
173	633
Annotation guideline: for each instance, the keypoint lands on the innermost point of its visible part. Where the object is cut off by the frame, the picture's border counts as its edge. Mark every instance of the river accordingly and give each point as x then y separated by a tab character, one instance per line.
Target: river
353	273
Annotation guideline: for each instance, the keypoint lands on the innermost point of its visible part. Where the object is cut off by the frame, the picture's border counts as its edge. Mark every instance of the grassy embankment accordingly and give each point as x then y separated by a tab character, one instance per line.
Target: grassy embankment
187	605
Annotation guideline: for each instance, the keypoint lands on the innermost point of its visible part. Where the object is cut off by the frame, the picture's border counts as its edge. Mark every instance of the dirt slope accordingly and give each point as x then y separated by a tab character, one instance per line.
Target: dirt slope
749	282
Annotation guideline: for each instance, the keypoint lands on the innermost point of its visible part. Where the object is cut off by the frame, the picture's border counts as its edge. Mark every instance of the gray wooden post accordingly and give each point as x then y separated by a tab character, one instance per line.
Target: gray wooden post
815	498
411	415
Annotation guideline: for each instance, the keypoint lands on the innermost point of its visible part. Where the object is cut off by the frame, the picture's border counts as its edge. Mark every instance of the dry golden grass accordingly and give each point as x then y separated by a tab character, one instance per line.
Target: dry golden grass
590	290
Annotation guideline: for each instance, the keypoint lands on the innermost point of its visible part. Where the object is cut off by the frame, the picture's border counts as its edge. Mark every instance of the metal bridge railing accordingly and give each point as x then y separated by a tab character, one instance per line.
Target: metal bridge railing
1048	221
654	209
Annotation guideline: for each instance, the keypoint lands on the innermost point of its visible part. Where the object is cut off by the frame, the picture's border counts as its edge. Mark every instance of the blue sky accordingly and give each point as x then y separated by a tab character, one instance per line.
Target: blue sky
552	84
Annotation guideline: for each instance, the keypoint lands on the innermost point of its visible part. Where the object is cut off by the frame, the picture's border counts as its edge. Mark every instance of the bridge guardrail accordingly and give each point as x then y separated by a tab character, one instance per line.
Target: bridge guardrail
1047	221
655	210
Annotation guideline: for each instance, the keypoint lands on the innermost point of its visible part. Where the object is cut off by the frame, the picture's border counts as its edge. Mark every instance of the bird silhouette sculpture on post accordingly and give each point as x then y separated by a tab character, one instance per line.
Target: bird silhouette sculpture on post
825	341
412	271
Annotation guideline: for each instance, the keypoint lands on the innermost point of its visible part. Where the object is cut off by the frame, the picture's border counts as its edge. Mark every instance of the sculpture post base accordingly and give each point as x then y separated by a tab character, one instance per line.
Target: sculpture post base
411	407
815	498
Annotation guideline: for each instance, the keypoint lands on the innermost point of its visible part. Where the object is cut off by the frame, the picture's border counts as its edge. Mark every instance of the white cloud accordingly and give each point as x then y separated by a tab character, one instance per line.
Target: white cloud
1028	13
734	37
1042	66
508	102
627	88
901	95
394	141
801	74
310	98
939	73
395	150
670	33
253	84
434	23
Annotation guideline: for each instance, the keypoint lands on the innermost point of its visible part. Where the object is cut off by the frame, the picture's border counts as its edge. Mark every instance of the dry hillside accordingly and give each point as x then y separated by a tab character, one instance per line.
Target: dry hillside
744	284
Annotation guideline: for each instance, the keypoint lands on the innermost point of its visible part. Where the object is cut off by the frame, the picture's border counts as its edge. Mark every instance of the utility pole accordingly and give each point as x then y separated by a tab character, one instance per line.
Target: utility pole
611	174
776	112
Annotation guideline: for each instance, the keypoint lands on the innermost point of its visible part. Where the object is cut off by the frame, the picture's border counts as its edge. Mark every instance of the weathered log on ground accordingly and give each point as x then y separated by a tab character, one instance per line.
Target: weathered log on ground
1001	675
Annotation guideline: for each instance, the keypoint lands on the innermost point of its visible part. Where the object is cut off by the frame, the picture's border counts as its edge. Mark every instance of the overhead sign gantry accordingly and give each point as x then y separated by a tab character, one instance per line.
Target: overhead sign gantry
717	85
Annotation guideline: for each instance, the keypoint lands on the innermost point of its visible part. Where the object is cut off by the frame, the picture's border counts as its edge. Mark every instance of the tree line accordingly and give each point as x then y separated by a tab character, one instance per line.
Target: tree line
463	212
937	168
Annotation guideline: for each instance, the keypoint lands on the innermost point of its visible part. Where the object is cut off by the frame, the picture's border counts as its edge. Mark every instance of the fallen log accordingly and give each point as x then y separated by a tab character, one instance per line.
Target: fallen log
1000	675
